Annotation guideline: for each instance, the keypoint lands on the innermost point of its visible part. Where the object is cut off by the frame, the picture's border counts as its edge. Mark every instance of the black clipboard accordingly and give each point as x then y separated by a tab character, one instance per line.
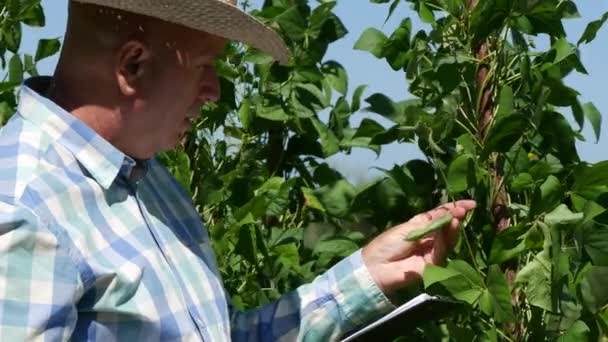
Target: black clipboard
423	308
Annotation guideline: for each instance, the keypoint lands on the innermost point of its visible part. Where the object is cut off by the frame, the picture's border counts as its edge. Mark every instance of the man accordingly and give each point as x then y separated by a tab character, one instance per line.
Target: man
97	239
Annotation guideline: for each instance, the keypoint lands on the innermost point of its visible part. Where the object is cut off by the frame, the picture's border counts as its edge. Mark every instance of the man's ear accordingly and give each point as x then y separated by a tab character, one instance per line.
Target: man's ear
132	62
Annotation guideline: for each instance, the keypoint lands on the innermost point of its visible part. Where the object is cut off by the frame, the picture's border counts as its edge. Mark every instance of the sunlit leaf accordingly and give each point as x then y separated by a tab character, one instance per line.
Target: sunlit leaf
336	246
562	216
371	40
563	49
311	200
461	174
537	277
329	142
594	117
592	29
579	331
425	13
336	76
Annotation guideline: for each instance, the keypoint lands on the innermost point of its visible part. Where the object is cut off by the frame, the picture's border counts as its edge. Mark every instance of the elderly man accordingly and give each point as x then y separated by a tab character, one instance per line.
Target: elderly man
99	242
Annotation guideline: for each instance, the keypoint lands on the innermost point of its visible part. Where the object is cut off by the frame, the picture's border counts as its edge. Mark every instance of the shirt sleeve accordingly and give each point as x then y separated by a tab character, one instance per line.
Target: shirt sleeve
341	299
39	283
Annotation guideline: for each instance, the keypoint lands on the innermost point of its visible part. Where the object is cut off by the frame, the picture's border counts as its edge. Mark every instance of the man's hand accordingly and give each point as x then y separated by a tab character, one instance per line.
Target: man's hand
395	263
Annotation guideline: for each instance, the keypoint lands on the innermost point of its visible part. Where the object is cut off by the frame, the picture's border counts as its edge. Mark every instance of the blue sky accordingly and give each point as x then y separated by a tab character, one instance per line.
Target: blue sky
363	68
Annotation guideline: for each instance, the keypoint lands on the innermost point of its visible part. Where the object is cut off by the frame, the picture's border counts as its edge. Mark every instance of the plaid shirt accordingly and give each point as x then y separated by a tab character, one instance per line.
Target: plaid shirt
94	246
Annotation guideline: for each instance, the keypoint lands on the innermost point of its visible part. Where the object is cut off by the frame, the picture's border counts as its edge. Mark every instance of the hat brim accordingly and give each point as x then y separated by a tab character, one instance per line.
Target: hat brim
211	16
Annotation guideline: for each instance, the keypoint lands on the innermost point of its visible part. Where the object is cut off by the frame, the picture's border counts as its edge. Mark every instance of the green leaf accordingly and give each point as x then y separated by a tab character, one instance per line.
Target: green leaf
8	86
453	281
368	128
47	48
391	10
591	181
274	113
385	193
537	277
563	50
29	66
454	7
336	198
311	200
356	102
182	169
288	255
579	115
426	14
563	216
487	17
246	245
33	15
594	117
271	185
522	182
508	244
371	40
435	274
594	291
339	246
293	23
461	174
15	70
329	142
245	114
12	37
312	96
592	29
595	242
547	197
320	17
579	331
255	56
336	76
396	48
381	104
506	102
557	133
523	24
505	133
496	299
467	271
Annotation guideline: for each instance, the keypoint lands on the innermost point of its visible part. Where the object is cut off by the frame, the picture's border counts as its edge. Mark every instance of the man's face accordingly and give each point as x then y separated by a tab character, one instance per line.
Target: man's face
180	78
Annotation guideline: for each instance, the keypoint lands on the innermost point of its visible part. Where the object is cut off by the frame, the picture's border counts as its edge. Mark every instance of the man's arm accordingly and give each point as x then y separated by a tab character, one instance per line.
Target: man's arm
39	284
341	299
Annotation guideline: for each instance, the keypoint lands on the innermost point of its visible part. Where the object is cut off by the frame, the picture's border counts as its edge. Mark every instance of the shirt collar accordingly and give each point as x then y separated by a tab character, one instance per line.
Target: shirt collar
100	158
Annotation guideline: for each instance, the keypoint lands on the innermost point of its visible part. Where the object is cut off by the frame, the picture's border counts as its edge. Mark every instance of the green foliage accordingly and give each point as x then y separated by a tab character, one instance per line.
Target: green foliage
488	113
13	15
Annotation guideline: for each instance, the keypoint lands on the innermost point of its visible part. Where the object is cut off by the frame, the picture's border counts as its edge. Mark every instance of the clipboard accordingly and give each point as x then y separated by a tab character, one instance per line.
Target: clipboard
423	308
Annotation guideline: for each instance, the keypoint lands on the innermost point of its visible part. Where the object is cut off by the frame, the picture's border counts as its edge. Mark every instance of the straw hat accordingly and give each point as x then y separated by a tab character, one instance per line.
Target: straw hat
218	17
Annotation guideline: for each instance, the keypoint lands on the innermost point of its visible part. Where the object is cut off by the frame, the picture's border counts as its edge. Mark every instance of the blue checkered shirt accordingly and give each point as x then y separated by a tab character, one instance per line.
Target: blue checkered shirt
96	246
